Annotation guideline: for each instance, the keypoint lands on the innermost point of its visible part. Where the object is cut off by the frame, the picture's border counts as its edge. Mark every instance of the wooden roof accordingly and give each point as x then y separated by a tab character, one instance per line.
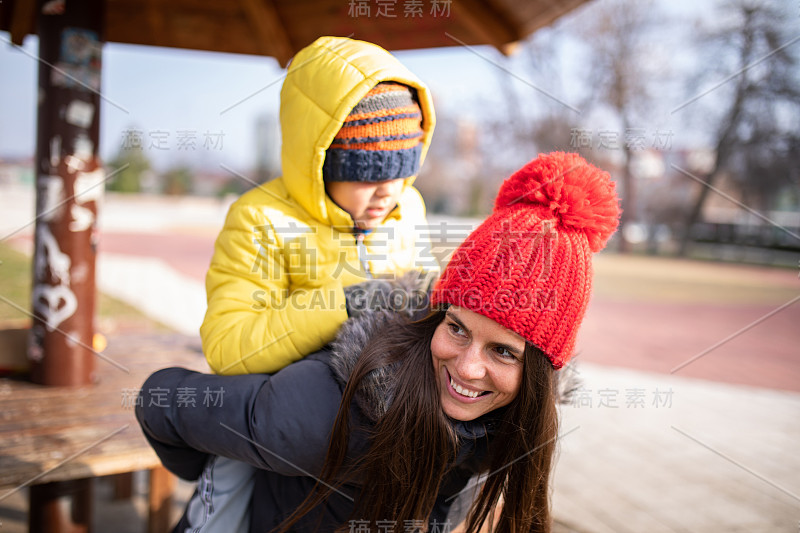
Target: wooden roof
280	28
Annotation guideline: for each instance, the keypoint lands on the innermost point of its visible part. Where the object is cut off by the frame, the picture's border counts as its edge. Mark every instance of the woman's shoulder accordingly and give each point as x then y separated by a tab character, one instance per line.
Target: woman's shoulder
313	374
298	406
375	390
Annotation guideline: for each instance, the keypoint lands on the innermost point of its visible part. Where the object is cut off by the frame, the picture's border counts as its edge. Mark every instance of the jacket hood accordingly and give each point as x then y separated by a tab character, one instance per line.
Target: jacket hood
324	82
376	390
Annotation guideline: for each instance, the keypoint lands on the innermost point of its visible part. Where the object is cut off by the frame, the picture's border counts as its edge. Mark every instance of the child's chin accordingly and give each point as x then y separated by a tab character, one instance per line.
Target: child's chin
368	224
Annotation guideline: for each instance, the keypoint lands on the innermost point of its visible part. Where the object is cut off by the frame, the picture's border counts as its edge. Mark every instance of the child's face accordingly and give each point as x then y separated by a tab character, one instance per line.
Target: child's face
367	202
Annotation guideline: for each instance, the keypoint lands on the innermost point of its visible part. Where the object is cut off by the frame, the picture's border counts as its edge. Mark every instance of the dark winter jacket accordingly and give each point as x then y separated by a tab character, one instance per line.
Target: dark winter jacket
281	423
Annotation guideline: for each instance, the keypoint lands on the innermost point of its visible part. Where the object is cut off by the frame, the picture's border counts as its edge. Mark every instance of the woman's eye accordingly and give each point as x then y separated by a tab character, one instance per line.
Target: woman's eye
505	353
455	329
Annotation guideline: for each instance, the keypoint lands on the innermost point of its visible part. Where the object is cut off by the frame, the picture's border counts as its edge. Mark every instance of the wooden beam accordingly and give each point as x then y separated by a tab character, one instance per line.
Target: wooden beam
123	486
162	485
23	20
270	30
61	507
155	19
547	13
489	25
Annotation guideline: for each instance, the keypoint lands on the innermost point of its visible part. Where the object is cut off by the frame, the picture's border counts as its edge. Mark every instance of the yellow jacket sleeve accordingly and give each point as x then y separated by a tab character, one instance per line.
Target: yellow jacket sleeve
256	321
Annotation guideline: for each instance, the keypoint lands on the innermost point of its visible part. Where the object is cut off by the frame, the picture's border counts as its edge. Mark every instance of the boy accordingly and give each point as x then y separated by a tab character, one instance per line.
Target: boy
290	264
343	211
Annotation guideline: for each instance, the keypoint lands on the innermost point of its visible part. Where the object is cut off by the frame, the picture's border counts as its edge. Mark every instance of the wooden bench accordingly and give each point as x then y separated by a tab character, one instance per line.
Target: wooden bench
55	440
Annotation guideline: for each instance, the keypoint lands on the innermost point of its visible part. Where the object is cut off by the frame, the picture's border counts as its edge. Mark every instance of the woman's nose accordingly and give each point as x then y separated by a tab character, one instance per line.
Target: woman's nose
470	364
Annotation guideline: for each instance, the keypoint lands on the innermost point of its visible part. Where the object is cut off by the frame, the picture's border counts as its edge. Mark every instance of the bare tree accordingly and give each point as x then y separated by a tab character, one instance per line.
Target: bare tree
755	138
620	74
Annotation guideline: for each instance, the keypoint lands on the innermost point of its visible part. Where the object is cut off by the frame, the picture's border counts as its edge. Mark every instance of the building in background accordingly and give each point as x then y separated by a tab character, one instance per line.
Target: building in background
267	147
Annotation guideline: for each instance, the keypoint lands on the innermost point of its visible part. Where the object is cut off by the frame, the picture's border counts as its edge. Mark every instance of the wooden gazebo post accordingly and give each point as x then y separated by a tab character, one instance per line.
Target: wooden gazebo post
68	184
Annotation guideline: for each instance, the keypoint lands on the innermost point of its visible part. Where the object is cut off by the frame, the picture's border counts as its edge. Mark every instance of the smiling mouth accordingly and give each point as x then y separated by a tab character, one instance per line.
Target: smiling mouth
467	393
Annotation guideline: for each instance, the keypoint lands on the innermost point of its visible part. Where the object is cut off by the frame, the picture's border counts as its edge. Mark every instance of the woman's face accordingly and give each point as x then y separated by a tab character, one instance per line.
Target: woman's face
478	363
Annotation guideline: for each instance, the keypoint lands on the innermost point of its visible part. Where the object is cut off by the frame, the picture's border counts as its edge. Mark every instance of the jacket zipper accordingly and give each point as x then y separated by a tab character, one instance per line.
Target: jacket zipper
362	253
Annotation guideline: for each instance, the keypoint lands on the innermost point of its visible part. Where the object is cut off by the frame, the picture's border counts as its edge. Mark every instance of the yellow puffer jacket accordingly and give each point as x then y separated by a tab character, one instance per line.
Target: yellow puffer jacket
275	284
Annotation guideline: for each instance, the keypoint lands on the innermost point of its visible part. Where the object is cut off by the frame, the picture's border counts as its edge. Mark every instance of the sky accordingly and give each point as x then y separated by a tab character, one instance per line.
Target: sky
213	100
171	93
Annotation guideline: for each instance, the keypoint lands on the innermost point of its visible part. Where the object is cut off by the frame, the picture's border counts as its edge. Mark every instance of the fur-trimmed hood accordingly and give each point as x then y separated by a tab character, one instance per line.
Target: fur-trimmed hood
409	301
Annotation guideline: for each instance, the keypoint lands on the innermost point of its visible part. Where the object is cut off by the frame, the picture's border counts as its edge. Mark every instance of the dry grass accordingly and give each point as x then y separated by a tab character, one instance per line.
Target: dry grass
15	300
664	279
652	279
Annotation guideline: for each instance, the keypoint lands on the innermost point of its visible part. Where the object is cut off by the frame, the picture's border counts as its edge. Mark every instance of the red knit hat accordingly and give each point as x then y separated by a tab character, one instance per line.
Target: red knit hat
528	266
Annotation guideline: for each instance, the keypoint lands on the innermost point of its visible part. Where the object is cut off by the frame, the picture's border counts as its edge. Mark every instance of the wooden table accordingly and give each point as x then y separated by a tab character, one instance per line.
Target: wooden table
55	440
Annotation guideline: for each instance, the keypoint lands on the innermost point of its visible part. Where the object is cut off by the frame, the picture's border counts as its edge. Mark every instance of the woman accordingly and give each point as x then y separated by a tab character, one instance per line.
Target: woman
384	429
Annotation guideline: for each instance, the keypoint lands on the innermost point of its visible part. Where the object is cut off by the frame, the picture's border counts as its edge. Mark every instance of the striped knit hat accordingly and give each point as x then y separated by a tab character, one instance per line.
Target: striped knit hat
528	266
380	138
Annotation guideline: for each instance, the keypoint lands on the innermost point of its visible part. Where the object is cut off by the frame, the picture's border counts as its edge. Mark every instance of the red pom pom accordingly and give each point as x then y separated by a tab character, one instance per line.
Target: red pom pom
565	187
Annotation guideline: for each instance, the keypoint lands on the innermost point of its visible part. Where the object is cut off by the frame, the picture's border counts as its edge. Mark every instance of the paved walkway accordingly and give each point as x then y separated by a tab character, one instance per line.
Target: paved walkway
677	455
643	449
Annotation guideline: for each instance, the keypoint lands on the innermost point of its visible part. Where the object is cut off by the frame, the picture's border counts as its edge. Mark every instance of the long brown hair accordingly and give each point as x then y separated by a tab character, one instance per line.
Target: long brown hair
413	444
521	454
